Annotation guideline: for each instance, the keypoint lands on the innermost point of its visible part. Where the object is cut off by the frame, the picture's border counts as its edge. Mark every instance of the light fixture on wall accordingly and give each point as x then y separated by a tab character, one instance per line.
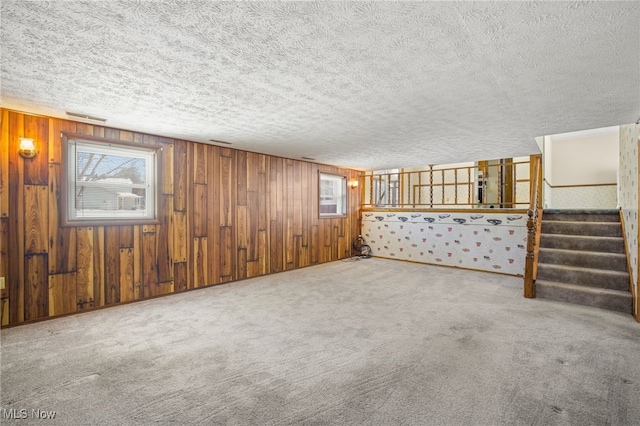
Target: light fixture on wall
353	184
27	148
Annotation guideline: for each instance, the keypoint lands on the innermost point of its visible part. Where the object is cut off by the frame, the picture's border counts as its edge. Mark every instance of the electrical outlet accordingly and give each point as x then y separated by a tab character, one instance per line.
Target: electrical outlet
1	283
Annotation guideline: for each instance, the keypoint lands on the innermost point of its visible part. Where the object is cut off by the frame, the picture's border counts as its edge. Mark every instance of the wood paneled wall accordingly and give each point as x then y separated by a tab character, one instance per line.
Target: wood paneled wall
225	215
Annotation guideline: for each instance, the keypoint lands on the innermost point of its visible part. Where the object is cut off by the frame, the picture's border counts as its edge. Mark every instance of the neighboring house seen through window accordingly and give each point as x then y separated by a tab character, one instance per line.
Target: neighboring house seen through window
109	181
333	195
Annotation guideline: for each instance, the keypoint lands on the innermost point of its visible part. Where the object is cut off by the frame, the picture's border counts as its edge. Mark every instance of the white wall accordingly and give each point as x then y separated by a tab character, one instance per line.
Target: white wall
581	169
585	158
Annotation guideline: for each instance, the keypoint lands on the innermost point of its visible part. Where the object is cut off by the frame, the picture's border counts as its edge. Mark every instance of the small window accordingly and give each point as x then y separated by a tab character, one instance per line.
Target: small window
107	181
333	195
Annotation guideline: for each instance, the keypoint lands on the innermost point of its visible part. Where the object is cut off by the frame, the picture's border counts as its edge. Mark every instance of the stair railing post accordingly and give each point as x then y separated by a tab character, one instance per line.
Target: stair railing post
532	213
529	285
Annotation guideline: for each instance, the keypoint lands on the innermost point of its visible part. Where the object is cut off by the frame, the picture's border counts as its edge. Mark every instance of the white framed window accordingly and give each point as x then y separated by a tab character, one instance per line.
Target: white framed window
108	182
333	195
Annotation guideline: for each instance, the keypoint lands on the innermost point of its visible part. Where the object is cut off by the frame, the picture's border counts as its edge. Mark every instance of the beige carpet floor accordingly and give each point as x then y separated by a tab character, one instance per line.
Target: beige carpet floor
367	342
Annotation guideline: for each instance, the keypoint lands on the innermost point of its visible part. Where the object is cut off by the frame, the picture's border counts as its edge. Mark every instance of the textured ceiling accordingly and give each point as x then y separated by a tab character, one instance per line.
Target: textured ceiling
369	85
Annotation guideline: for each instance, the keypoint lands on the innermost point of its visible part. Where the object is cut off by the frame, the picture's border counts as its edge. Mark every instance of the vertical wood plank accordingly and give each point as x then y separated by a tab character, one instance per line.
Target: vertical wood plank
304	207
253	268
62	294
273	246
56	127
328	230
342	248
4	250
273	188
180	236
85	270
4	163
241	178
242	237
164	239
16	277
290	244
298	253
281	241
36	169
241	264
263	218
87	129
127	289
200	163
280	183
4	311
126	136
226	254
226	196
36	287
315	245
164	288
334	239
279	260
147	139
297	198
149	266
126	236
314	195
167	168
36	212
252	171
111	133
191	254
62	241
99	246
180	273
4	269
253	218
112	265
180	175
99	131
263	197
200	270
213	212
137	262
199	207
262	258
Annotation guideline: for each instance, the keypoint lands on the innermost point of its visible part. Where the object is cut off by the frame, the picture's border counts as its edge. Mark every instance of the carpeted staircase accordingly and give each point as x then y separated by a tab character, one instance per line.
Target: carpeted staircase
582	259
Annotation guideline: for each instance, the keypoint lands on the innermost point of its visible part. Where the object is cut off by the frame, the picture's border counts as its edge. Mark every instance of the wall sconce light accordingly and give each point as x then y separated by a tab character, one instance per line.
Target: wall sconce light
353	184
27	148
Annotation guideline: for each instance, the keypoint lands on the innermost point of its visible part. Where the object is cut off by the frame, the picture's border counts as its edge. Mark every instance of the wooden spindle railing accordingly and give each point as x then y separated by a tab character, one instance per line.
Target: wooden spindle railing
435	188
532	213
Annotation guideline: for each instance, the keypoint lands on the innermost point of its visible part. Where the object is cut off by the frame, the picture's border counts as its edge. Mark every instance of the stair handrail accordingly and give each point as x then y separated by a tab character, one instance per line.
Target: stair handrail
532	218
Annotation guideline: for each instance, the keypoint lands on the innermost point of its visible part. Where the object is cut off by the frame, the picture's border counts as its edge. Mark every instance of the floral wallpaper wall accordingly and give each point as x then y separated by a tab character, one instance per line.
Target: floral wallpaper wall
581	197
493	242
628	196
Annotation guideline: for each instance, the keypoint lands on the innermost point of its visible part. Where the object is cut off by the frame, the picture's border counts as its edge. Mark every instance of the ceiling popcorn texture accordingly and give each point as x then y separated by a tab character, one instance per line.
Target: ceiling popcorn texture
368	85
